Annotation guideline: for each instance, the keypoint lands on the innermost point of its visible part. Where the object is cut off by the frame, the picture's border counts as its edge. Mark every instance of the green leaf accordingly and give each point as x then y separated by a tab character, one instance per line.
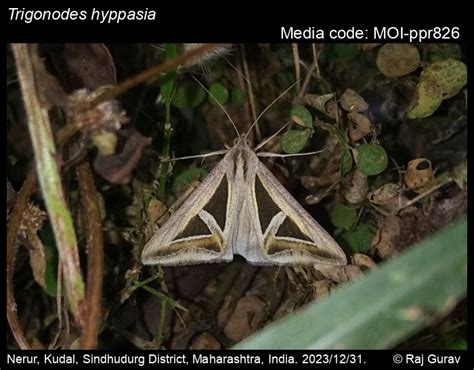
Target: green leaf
371	159
188	175
343	216
285	79
188	95
382	308
293	141
51	256
450	75
237	96
438	52
167	82
359	239
341	52
453	341
302	116
427	99
346	162
218	92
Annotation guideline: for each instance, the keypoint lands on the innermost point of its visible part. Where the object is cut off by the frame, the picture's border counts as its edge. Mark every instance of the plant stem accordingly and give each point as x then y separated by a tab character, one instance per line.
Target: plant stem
165	164
49	178
95	258
161	328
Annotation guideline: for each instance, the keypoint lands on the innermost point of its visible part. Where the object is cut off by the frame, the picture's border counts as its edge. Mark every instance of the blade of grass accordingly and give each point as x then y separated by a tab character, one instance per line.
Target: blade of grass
50	180
384	307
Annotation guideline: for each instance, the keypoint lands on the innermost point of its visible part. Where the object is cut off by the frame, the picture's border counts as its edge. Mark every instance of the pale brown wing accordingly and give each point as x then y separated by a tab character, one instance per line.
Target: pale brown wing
291	236
194	233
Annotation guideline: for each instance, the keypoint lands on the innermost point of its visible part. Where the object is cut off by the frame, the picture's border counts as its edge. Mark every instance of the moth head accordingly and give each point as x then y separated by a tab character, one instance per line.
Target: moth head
241	140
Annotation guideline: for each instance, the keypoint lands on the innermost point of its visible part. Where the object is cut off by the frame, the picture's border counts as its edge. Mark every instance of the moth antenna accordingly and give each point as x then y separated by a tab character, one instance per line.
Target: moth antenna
218	152
268	107
236	70
219	104
267	154
271	137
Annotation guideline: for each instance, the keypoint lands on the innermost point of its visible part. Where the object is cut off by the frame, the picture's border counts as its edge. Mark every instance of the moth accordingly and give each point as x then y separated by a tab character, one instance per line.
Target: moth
241	208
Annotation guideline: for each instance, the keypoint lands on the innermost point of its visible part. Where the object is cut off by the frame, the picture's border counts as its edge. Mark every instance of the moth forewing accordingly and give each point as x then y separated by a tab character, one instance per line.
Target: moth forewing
291	235
195	232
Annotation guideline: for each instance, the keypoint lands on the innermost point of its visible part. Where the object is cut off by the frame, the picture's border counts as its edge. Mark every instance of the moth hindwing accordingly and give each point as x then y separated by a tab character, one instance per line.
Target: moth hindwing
241	208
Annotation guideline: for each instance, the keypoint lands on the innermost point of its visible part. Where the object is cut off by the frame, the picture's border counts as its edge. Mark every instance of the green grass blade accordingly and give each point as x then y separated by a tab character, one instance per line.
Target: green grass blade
384	307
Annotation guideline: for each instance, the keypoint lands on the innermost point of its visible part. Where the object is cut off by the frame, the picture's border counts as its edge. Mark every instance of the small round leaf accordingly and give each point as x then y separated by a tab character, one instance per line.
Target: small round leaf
218	92
358	240
395	60
237	96
293	141
302	116
188	175
188	95
371	159
343	216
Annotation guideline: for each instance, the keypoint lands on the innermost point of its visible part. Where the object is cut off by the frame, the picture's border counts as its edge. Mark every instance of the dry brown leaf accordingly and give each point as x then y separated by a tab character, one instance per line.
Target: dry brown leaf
352	102
205	341
384	193
245	319
33	218
323	104
357	188
83	65
385	240
155	210
363	261
395	60
340	274
118	168
359	126
321	288
333	110
389	197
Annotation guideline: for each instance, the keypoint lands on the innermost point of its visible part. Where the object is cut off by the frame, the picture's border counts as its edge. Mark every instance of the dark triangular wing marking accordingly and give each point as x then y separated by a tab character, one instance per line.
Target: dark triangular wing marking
195	230
291	235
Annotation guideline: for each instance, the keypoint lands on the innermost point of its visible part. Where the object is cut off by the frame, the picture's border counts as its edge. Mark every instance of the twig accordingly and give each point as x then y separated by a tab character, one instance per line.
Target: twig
424	194
163	296
306	80
152	72
250	92
296	62
50	181
92	221
315	60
